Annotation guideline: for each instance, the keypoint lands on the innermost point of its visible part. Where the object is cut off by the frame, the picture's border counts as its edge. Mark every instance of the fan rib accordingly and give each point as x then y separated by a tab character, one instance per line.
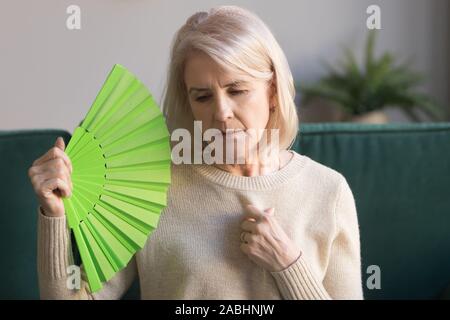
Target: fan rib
102	244
129	230
119	253
132	86
136	137
141	194
119	88
140	214
142	178
101	263
137	97
88	263
88	147
85	141
138	117
108	87
160	152
142	183
77	134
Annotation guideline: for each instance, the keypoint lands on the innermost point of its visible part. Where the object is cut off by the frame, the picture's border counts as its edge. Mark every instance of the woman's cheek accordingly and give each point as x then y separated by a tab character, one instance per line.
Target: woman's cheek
200	112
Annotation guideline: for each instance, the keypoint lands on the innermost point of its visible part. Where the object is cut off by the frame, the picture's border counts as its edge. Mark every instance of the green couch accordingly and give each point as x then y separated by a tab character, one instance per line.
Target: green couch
399	174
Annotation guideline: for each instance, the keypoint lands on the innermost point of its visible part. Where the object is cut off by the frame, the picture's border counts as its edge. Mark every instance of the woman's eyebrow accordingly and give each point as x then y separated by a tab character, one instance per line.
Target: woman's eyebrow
231	84
197	89
235	83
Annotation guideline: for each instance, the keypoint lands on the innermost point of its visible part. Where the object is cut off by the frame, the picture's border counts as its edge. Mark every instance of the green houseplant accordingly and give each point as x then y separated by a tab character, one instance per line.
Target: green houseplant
378	83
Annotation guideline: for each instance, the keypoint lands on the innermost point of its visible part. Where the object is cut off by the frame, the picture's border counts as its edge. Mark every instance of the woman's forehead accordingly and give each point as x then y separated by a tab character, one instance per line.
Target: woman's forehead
203	71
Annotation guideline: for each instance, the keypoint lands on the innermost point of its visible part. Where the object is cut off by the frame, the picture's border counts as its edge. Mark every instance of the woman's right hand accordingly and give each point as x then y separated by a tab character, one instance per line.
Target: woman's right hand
50	176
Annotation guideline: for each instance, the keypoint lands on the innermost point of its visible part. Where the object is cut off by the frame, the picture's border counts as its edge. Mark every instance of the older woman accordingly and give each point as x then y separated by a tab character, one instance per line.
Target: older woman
282	228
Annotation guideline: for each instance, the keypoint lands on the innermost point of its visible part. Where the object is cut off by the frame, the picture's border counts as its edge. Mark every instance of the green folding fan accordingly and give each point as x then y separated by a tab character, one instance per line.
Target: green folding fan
121	173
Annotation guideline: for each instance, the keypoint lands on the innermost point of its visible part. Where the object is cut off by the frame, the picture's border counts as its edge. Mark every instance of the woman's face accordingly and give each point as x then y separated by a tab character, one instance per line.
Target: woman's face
225	100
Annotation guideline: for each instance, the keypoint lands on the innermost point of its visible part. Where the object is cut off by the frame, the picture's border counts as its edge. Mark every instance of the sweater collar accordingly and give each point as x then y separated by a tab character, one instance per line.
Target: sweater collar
269	181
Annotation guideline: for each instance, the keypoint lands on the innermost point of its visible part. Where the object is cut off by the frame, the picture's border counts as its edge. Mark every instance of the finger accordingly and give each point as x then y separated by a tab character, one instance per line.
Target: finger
53	184
249	238
60	143
51	165
245	218
36	181
245	248
249	226
253	212
55	168
242	236
270	212
54	153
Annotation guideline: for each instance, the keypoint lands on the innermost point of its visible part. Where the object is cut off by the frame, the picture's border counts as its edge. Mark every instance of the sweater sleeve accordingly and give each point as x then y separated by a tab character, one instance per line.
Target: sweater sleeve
54	256
297	282
343	276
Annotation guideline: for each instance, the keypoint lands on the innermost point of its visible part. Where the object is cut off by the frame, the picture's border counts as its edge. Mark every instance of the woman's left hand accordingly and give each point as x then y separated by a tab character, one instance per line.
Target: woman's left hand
265	242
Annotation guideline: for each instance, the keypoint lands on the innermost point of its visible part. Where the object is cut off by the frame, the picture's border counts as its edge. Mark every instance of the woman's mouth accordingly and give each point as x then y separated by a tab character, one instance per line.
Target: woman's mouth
232	131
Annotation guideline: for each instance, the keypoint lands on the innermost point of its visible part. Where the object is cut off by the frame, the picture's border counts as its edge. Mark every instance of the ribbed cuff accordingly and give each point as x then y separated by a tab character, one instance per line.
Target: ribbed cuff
298	283
53	246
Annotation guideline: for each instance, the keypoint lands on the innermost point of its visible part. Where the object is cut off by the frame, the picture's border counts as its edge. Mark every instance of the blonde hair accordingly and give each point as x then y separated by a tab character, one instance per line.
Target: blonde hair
237	40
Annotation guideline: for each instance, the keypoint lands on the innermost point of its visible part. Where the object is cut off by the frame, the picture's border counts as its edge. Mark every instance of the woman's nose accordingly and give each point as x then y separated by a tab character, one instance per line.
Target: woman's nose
223	110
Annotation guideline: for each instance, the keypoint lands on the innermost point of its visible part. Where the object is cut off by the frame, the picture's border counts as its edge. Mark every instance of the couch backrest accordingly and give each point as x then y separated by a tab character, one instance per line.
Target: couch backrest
399	175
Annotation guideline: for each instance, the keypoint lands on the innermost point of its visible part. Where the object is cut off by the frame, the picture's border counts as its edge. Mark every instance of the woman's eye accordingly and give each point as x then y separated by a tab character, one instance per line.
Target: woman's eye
202	98
237	92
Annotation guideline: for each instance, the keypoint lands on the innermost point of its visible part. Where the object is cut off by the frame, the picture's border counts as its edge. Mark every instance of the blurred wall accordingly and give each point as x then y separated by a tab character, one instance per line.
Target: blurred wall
50	75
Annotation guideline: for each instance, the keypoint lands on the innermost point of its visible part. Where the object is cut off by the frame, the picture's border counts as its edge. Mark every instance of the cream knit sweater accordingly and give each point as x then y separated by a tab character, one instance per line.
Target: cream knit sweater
194	253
